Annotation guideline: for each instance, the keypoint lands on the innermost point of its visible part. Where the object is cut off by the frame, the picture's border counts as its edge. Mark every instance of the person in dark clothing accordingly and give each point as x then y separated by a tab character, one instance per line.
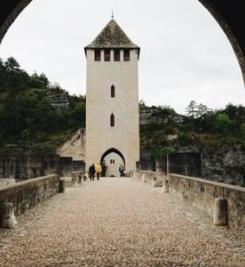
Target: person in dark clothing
104	167
91	172
121	170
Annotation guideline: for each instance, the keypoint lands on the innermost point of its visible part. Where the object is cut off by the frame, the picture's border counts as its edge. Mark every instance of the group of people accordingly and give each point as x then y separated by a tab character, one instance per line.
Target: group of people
94	170
100	170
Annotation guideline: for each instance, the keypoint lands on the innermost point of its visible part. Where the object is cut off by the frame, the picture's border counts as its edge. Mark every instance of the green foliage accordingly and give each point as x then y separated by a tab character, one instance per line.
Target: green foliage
185	139
202	128
166	150
28	118
242	130
39	81
223	121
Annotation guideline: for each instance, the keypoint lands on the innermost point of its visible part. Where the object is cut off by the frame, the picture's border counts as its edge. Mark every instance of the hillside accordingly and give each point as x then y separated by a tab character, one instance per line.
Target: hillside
217	135
35	114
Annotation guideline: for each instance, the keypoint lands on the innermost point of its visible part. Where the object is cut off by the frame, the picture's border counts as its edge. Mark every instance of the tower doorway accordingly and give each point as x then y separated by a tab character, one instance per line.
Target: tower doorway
112	159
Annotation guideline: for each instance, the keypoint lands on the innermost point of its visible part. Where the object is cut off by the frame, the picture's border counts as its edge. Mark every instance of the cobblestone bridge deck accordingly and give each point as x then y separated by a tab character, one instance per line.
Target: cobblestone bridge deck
116	222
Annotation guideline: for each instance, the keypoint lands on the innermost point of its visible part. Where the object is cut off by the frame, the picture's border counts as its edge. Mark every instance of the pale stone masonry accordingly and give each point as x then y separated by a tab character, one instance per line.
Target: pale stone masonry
112	111
117	222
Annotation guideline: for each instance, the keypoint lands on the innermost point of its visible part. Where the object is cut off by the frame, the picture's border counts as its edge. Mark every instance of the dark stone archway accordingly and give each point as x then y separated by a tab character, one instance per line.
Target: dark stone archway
113	150
229	14
9	11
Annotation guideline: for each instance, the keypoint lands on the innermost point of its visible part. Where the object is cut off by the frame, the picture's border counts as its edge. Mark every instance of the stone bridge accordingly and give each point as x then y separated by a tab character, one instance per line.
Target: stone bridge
149	220
145	220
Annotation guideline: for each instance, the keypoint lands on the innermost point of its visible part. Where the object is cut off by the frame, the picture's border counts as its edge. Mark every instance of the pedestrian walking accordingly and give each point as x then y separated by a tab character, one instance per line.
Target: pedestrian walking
98	170
104	167
121	170
91	172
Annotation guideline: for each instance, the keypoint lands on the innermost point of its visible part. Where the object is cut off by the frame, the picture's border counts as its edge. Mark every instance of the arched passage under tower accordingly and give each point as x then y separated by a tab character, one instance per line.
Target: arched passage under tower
113	158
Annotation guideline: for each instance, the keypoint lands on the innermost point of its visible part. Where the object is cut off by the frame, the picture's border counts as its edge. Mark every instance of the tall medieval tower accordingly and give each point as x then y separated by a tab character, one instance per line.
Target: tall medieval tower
112	109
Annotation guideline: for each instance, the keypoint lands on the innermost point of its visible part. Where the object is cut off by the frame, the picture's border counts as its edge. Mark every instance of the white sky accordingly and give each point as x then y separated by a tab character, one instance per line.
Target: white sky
184	53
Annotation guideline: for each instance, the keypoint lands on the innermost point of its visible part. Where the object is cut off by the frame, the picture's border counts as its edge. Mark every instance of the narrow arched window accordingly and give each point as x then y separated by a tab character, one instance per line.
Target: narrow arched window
112	120
113	91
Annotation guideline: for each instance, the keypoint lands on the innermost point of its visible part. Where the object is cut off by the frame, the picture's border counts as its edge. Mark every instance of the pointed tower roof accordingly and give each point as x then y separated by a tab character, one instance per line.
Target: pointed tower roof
112	36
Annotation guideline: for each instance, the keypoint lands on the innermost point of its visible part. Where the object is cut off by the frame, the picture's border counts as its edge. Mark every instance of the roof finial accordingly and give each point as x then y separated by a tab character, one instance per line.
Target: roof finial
112	14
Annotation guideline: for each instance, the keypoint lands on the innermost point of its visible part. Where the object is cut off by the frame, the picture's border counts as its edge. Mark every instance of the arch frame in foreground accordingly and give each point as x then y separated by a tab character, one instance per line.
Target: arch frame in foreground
229	14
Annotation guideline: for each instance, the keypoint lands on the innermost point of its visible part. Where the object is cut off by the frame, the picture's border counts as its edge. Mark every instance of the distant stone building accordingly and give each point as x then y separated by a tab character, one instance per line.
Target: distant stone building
112	110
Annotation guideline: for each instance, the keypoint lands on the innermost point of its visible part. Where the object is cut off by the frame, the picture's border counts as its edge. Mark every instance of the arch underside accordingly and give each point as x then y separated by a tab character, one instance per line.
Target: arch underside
113	150
229	14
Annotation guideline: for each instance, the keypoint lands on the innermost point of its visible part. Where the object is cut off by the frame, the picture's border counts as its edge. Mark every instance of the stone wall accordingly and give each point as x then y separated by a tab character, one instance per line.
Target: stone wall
26	194
66	166
202	193
148	177
185	163
74	147
26	166
78	165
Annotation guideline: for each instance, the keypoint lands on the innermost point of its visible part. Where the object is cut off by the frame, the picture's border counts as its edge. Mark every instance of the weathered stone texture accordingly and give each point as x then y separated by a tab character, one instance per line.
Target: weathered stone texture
26	194
202	194
74	147
26	166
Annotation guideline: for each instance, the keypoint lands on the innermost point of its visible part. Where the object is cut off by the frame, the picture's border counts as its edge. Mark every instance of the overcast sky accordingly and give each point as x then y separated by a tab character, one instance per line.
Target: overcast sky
184	53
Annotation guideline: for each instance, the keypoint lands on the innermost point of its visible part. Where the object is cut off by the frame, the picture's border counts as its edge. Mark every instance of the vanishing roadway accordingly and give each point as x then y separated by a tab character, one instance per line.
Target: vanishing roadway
115	222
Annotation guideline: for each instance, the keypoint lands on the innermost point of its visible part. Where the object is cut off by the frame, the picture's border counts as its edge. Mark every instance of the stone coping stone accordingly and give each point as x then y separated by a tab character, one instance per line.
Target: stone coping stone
200	180
66	178
27	182
208	182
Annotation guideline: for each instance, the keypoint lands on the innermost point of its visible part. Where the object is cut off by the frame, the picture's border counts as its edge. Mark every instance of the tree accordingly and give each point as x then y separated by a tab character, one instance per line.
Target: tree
192	109
39	81
223	122
242	129
11	64
195	110
201	110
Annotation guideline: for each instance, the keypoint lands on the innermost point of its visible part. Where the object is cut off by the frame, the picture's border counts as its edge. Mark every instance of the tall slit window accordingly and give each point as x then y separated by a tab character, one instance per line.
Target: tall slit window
107	54
126	55
116	54
112	120
113	91
97	55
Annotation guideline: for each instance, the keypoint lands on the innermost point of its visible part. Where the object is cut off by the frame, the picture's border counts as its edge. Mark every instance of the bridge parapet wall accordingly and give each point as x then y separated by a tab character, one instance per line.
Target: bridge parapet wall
26	194
202	193
148	177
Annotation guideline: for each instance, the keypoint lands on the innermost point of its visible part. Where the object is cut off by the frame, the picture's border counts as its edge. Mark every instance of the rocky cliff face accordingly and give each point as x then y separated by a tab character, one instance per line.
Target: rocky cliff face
224	165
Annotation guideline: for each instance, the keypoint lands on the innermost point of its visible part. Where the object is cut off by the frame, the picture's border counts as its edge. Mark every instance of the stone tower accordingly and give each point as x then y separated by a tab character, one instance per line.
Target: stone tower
112	110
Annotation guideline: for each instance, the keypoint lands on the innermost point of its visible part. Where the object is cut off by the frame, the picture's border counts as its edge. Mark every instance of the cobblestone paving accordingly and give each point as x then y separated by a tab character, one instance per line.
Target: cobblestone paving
113	222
